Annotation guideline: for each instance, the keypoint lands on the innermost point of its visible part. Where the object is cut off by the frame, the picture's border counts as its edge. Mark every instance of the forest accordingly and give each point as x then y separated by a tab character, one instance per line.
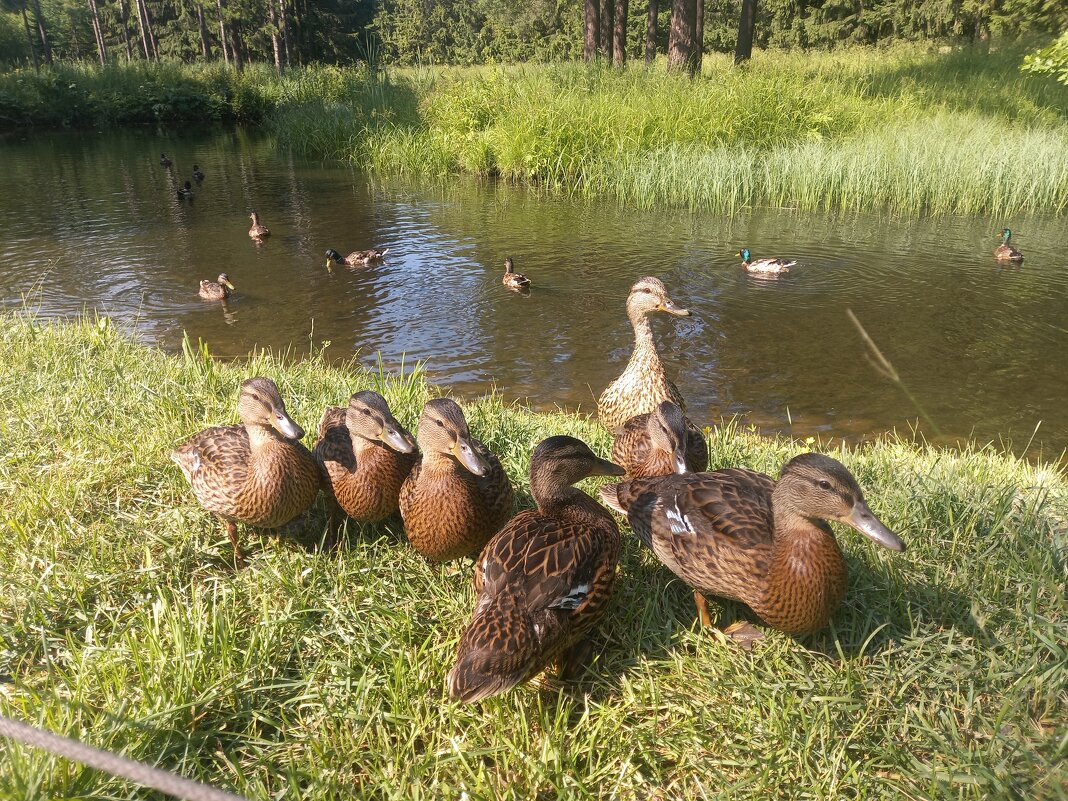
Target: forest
463	32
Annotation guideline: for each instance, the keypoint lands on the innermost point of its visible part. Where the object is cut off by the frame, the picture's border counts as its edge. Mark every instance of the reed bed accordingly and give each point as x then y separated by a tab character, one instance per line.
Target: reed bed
318	675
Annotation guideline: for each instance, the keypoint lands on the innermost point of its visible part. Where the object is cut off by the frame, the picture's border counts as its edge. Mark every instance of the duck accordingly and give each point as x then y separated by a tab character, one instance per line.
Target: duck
185	192
457	495
363	455
163	160
764	266
1005	251
514	280
358	258
543	581
219	289
741	535
198	176
258	472
257	231
643	383
660	442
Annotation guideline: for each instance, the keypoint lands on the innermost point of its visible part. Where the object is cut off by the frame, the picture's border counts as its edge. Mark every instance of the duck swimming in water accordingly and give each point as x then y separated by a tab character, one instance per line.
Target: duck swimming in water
764	266
1005	251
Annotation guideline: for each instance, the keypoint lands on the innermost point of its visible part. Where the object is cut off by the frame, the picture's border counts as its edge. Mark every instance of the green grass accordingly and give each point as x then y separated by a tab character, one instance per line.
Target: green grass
321	676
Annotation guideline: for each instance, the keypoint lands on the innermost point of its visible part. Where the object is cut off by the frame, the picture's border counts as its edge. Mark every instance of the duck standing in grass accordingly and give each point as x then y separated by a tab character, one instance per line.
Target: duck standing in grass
185	192
358	258
544	581
258	230
257	472
643	383
764	266
512	279
1005	251
198	176
218	289
739	534
457	495
364	455
660	442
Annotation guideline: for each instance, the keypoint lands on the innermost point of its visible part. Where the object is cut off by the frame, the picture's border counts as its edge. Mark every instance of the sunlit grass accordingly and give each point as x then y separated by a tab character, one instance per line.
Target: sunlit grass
321	676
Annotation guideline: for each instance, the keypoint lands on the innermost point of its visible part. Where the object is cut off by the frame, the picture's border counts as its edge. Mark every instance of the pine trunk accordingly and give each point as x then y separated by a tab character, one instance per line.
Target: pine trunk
283	24
124	28
743	51
42	33
145	44
222	33
650	33
619	44
202	25
699	37
98	33
682	34
272	19
591	27
29	40
607	9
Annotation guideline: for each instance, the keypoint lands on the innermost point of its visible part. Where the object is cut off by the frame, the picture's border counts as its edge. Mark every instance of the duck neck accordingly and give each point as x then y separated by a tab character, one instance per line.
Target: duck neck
644	357
557	499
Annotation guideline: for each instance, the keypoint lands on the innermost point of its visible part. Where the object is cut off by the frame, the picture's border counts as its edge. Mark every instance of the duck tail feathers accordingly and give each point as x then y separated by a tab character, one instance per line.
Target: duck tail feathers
497	652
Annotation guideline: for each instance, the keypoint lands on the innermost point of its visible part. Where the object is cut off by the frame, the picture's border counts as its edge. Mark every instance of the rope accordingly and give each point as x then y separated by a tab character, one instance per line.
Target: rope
164	781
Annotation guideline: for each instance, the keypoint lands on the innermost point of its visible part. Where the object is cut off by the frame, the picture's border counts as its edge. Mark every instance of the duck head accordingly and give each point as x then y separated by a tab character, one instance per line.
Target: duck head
368	416
443	431
561	461
649	295
666	428
259	404
224	279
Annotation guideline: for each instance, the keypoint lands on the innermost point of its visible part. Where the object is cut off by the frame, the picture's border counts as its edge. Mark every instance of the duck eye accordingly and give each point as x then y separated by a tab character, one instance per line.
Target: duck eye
822	484
367	412
440	423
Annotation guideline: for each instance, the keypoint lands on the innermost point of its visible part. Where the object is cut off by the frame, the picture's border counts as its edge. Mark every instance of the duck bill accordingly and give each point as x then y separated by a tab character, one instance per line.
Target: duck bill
466	455
673	308
603	467
230	286
392	436
286	427
862	519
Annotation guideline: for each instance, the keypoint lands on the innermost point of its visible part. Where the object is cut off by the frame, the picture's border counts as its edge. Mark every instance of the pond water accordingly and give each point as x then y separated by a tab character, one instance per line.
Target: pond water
91	221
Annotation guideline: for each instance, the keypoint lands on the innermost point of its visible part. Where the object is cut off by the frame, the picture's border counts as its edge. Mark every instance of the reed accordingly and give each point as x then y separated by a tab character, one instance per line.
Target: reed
322	675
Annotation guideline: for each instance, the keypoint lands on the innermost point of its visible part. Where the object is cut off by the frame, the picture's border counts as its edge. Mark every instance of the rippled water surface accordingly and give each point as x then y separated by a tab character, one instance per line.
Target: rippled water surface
91	221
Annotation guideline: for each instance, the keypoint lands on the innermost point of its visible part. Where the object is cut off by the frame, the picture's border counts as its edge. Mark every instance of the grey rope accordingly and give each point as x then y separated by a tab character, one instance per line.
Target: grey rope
164	781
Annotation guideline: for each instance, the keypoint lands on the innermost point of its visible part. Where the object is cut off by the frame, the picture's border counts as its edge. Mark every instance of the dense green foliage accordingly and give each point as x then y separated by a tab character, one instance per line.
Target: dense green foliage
1051	60
321	676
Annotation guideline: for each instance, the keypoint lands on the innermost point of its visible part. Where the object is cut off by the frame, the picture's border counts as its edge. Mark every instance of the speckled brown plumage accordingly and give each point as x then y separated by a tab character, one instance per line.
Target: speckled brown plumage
643	383
513	280
216	290
738	534
364	455
257	472
257	229
457	494
543	581
358	258
660	442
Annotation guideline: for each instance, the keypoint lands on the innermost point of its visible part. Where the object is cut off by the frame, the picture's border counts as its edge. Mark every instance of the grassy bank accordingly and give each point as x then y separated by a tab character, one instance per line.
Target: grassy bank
943	675
908	129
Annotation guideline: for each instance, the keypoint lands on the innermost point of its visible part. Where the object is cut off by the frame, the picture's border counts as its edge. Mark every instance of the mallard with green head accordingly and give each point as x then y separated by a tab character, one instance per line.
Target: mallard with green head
258	230
643	383
185	192
364	455
257	472
1005	251
660	442
741	535
457	495
219	289
544	581
358	258
764	266
512	279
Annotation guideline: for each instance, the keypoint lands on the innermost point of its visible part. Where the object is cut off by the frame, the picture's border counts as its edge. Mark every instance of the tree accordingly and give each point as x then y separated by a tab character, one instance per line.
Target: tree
681	48
98	32
650	33
607	12
591	27
746	25
619	35
42	32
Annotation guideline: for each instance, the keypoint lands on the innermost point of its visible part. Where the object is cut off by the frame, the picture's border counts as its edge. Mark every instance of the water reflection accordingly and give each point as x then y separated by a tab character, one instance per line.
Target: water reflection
97	223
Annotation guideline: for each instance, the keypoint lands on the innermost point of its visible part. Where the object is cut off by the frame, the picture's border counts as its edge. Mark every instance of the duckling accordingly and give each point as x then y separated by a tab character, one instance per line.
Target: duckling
643	383
457	495
358	258
764	266
185	192
198	176
514	280
257	472
257	231
163	160
544	581
364	455
660	442
739	534
216	290
1005	251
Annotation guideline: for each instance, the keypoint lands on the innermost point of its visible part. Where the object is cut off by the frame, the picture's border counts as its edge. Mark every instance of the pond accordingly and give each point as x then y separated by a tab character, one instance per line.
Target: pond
92	222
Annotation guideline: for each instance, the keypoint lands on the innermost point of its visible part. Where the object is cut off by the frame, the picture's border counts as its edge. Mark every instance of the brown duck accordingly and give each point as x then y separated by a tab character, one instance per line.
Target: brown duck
258	230
543	581
358	258
660	442
512	279
364	455
216	290
257	472
643	383
457	495
740	535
